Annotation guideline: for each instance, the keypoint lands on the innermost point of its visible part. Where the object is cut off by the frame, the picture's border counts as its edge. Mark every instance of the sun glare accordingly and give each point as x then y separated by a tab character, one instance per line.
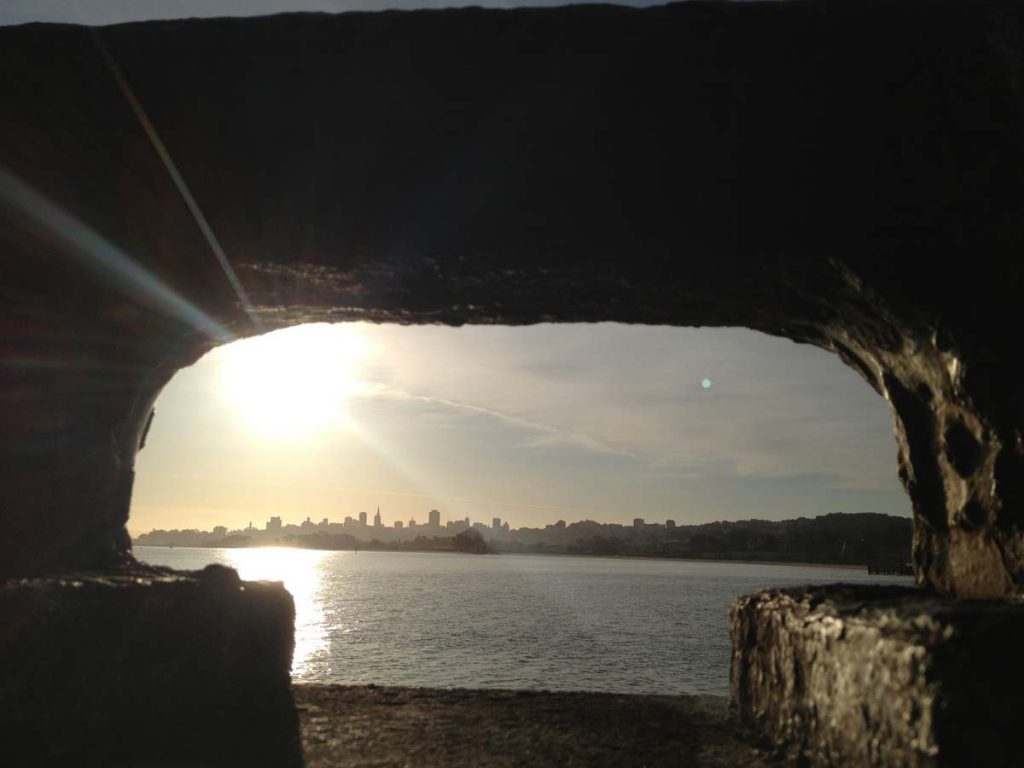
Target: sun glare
293	382
302	574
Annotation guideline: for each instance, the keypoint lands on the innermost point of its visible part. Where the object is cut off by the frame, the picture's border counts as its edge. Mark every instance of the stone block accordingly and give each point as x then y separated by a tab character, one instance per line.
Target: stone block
147	667
879	676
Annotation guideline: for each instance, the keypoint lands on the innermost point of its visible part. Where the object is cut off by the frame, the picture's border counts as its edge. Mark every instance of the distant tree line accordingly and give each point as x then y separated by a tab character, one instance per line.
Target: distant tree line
834	538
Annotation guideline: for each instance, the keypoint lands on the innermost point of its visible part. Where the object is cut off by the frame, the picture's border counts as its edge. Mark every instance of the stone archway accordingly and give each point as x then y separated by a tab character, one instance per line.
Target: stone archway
689	165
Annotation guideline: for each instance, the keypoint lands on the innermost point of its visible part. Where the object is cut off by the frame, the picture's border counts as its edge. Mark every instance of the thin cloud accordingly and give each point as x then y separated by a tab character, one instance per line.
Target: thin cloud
550	435
555	421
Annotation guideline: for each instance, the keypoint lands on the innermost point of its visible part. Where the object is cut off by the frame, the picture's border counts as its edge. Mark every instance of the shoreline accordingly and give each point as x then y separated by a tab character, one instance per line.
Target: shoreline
794	563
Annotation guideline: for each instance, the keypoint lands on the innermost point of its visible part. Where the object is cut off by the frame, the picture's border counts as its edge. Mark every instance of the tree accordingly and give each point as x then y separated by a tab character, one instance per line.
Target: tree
471	541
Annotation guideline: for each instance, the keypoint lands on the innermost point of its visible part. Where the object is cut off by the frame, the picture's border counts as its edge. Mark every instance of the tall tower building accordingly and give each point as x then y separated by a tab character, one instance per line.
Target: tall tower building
435	519
362	519
377	522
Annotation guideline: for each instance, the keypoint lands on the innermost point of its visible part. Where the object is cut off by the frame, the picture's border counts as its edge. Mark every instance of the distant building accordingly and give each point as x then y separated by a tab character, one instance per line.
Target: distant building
324	523
220	531
670	525
362	519
349	521
412	523
398	525
307	524
435	519
466	523
505	526
482	527
496	524
273	524
638	523
377	522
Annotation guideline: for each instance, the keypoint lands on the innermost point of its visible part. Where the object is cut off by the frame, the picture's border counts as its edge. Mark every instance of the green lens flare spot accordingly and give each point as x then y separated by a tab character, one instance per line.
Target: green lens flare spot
706	383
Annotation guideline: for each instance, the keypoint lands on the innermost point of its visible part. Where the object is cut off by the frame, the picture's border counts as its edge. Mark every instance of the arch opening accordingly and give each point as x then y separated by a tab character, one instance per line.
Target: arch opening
762	197
704	451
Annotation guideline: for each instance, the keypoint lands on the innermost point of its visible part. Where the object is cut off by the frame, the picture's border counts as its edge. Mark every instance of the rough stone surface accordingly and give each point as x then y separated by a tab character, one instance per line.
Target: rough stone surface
845	174
880	676
148	667
359	727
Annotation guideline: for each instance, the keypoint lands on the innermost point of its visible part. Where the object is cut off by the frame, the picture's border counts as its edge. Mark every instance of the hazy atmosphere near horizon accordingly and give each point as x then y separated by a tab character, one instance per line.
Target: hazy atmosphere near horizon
531	424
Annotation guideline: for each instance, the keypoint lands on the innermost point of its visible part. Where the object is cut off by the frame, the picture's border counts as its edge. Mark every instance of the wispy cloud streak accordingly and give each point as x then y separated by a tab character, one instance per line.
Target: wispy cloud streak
550	434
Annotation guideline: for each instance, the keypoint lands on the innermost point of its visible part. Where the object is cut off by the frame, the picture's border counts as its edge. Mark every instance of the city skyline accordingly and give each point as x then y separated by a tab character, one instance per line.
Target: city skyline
880	541
275	524
527	424
433	521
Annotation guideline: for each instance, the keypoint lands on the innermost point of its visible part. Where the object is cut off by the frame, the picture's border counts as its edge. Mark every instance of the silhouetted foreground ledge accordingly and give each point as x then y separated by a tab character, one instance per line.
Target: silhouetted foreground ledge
151	667
880	676
146	667
358	727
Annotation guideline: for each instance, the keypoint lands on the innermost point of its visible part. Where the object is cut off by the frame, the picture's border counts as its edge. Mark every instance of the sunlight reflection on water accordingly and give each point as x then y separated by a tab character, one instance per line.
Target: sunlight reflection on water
533	622
302	572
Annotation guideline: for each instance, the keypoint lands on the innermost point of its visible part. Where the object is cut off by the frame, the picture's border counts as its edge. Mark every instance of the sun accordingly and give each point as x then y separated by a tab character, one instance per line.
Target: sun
293	382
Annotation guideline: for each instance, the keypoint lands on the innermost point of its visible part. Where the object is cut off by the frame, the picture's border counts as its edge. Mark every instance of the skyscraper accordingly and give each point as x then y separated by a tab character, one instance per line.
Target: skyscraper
362	518
377	522
435	519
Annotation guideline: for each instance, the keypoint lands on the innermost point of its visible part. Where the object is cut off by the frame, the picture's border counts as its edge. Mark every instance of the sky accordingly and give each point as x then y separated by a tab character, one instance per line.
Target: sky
530	424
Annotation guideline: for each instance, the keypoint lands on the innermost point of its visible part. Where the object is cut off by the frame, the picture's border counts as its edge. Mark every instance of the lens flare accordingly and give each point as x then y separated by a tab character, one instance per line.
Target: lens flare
87	246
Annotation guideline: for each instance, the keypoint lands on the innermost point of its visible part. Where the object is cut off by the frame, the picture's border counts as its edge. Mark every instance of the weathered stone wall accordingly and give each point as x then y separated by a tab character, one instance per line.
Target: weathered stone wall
879	676
147	668
844	174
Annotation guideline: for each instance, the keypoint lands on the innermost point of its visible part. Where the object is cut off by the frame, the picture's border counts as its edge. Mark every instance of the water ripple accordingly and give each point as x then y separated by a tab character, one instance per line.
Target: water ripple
509	621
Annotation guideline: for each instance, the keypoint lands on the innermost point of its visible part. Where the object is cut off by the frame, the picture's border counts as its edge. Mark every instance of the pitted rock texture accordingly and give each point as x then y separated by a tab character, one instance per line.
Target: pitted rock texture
879	676
147	667
849	175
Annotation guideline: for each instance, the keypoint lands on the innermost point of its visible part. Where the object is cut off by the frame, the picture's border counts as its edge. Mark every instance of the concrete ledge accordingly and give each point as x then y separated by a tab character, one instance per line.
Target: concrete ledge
147	666
879	676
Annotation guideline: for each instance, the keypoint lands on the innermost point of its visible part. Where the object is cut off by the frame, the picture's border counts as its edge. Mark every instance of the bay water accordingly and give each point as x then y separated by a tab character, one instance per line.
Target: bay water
537	622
